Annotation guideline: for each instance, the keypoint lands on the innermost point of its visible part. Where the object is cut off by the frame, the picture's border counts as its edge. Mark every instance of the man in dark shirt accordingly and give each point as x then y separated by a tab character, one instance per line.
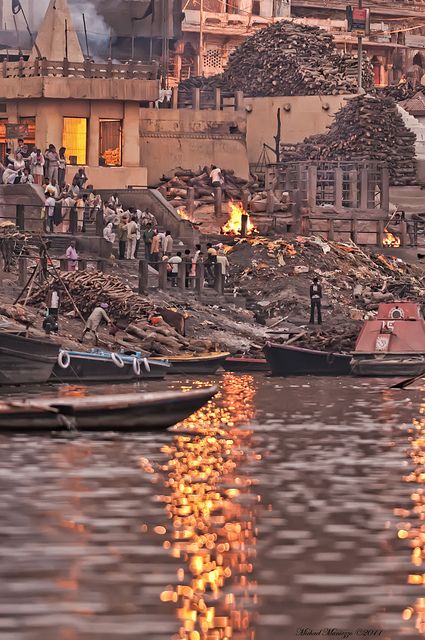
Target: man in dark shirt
316	300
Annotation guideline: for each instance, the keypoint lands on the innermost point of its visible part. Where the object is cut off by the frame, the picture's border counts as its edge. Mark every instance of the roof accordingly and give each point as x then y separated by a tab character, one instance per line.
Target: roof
415	105
51	35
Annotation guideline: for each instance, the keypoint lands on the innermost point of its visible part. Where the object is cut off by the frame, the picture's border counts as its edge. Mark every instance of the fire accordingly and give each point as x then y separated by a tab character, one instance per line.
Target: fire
233	226
391	240
183	213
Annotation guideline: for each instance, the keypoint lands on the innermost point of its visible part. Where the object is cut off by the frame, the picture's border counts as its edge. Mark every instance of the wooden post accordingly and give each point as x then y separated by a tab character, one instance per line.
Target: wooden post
162	275
218	279
312	187
143	276
190	207
217	98
181	276
380	232
82	264
239	101
63	264
245	199
23	271
44	67
269	202
36	67
354	229
196	99
403	234
296	208
244	226
218	197
385	190
65	68
20	216
73	221
4	68
331	229
364	181
101	265
175	98
200	277
99	223
338	187
353	197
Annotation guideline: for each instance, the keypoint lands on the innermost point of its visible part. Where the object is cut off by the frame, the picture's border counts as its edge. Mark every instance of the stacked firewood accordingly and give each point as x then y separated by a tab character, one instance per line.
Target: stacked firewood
292	59
89	289
161	339
176	188
367	128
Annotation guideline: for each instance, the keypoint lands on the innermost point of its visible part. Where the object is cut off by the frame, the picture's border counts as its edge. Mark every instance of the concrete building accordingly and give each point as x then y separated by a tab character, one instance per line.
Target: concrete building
91	109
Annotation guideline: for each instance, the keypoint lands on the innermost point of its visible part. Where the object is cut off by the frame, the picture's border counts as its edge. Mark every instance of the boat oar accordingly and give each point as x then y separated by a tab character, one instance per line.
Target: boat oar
406	382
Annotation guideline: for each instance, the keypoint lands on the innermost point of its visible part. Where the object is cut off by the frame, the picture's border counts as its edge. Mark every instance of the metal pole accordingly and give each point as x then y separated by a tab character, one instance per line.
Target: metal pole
201	38
360	56
66	39
85	36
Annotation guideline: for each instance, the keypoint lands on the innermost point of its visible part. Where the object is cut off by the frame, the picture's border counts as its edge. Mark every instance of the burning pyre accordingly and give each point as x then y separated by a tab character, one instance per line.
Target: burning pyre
391	240
236	222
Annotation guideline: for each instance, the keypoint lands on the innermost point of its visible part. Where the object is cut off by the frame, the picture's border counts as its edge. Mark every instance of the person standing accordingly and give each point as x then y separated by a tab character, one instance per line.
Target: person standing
168	244
187	259
155	248
53	301
53	159
148	235
174	262
131	239
216	176
93	321
122	237
316	301
224	262
72	255
80	178
61	167
49	205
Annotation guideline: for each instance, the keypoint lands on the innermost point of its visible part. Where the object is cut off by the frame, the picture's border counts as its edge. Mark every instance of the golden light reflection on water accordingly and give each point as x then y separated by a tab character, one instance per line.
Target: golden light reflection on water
411	526
212	509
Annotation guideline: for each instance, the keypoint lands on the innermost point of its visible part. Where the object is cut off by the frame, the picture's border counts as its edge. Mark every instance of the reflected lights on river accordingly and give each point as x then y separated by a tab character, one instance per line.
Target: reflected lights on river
412	525
212	509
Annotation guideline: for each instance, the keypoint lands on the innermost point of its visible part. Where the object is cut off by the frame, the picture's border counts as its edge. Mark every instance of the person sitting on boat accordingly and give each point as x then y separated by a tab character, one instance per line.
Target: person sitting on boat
316	300
95	318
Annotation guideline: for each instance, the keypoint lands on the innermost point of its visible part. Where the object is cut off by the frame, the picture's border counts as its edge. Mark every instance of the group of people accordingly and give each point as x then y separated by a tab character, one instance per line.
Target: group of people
214	255
29	165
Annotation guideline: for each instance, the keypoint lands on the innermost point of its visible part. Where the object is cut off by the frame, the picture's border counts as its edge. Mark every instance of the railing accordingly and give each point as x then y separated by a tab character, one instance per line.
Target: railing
66	69
359	230
202	99
360	185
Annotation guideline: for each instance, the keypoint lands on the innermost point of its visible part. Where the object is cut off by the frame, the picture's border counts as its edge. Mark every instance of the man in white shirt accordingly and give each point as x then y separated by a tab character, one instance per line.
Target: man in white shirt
175	261
216	176
167	243
49	205
9	175
131	239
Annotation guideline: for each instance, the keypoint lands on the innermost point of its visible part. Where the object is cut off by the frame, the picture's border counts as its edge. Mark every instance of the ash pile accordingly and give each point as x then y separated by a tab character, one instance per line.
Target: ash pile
367	128
287	59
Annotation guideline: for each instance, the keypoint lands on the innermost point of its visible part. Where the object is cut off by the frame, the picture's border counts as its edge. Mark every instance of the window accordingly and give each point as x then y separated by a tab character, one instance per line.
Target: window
74	139
110	143
30	137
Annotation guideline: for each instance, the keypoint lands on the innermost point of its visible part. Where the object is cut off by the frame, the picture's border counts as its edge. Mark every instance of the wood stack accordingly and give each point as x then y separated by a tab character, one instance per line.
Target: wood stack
367	128
287	59
176	188
89	289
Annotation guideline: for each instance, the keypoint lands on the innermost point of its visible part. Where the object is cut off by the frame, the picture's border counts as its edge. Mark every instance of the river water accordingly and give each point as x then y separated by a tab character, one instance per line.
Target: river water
286	508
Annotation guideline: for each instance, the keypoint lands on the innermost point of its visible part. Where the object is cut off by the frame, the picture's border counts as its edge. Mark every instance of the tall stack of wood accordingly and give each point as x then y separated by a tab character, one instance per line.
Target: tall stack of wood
367	128
287	59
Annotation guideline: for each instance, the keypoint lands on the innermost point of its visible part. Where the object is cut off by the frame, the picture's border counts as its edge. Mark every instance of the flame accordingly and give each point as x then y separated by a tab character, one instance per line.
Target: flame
183	213
391	240
233	226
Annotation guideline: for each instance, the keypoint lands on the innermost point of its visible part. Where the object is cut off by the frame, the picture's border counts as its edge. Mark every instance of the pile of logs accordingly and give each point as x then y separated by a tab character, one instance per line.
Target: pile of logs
367	128
176	189
287	59
89	289
162	340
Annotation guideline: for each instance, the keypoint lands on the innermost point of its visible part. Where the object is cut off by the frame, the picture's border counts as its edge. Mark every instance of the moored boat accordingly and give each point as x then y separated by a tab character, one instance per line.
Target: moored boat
245	364
106	366
393	343
207	364
122	412
26	360
288	360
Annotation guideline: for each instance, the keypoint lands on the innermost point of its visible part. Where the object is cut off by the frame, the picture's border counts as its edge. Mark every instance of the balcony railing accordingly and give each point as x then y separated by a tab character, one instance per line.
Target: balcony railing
66	69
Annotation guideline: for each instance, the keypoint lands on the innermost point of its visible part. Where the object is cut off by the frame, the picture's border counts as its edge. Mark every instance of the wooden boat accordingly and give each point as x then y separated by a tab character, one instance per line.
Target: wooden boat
392	343
207	364
122	412
288	360
106	366
26	360
246	364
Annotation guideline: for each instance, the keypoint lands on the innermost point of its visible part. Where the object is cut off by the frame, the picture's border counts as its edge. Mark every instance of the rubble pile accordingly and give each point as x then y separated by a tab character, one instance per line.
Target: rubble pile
287	59
275	276
367	128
